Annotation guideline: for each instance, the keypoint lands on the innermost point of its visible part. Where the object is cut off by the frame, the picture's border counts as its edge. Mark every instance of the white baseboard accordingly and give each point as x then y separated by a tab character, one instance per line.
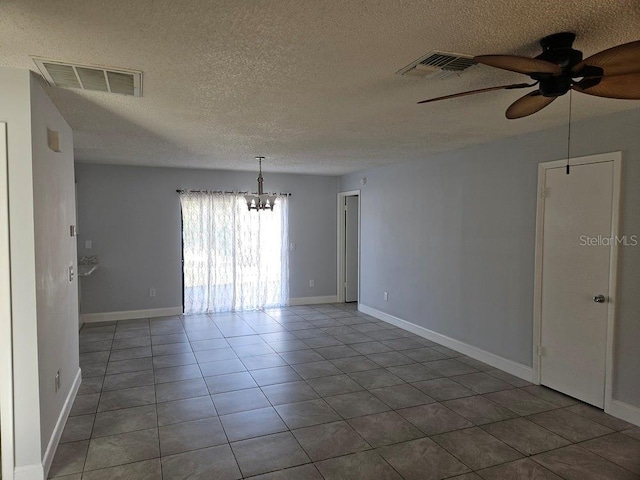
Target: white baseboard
130	314
59	428
625	412
514	368
29	472
313	300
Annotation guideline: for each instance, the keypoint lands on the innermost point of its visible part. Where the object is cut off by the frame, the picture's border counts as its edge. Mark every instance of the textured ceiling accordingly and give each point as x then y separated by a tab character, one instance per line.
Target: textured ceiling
310	84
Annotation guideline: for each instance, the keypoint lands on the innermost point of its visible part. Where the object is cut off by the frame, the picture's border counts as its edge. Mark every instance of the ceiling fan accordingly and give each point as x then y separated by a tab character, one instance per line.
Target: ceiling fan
612	73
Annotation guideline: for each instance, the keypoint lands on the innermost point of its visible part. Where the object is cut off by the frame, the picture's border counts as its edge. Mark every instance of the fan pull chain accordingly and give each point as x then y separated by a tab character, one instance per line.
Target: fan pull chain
569	136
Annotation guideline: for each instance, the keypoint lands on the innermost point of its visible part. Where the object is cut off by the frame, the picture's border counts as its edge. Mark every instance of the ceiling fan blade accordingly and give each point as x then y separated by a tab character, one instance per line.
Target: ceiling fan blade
618	60
626	87
512	86
524	65
527	105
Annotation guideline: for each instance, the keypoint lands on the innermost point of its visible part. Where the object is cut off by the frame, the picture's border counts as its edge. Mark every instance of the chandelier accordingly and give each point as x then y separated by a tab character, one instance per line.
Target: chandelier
261	201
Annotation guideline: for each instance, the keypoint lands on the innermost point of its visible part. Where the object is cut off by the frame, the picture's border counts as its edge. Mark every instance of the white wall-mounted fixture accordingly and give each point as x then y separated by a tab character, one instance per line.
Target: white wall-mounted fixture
363	181
53	140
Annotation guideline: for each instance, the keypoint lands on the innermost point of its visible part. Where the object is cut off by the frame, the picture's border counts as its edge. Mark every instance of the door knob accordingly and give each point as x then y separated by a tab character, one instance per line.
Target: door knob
599	299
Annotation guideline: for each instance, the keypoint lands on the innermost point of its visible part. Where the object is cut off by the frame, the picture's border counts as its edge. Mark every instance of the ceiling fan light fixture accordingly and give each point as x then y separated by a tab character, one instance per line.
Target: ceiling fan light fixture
555	86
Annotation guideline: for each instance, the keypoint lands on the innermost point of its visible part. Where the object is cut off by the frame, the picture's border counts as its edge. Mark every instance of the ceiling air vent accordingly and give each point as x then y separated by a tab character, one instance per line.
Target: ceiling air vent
438	65
90	77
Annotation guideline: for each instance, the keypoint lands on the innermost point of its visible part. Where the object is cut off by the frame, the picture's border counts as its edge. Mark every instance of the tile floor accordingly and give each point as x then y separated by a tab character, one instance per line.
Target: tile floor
318	392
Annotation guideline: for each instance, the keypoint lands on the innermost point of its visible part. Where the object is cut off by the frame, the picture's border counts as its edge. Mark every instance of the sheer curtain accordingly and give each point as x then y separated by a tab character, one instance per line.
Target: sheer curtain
234	259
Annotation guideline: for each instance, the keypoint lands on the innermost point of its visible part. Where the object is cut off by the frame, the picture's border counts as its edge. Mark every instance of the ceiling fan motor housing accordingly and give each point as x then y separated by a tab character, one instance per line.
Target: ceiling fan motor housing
557	48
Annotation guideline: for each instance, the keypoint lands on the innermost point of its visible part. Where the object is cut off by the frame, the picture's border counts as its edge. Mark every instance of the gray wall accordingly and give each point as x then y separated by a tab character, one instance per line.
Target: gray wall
451	238
132	217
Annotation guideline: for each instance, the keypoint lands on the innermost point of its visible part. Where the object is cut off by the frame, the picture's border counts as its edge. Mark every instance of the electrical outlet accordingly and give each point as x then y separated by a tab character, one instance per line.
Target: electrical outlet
57	380
386	296
312	283
152	292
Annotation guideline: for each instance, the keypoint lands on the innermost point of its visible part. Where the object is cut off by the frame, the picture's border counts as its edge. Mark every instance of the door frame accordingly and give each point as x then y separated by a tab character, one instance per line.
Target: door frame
341	241
6	331
616	158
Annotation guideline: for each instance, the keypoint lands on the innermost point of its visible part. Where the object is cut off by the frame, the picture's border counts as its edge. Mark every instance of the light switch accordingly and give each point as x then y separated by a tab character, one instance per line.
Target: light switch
87	244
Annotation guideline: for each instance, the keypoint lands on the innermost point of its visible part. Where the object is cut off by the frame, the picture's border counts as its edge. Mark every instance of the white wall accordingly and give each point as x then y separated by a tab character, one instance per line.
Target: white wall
16	112
132	217
6	344
451	238
44	319
57	297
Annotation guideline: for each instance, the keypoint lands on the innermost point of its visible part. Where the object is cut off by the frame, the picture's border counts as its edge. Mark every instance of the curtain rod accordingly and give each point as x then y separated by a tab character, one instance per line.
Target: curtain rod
222	191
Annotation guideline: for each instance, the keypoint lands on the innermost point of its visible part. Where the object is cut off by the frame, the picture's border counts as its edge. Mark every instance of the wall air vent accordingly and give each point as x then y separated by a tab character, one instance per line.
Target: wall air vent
90	77
438	65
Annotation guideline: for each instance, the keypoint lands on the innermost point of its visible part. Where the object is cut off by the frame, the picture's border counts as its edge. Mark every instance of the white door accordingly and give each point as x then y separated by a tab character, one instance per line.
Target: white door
351	249
576	252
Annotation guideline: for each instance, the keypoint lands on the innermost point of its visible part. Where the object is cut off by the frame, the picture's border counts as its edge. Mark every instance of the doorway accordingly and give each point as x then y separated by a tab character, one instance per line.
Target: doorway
6	344
349	246
577	241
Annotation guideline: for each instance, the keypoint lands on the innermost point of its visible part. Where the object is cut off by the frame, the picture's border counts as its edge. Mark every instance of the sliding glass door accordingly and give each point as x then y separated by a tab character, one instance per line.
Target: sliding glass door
234	259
